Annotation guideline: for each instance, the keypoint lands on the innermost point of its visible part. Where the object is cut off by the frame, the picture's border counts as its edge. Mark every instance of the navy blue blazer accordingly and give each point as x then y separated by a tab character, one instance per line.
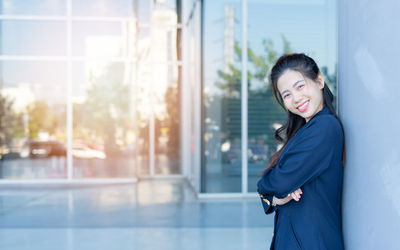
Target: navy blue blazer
312	161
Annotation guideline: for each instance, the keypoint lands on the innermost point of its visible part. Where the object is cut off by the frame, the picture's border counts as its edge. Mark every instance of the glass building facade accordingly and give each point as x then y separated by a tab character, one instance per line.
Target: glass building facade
89	89
150	88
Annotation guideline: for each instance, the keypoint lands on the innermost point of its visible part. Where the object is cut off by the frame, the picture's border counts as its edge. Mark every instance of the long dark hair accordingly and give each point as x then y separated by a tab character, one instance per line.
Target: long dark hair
308	68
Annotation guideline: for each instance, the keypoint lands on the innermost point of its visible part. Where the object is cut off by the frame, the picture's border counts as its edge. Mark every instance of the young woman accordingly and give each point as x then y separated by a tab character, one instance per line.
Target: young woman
303	182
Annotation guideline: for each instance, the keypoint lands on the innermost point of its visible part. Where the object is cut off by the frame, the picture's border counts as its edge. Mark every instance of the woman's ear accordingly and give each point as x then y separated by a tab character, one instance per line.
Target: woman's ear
321	80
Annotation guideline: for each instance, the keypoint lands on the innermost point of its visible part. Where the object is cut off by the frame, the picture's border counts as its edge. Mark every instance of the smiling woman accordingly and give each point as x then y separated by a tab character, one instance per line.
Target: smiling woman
309	167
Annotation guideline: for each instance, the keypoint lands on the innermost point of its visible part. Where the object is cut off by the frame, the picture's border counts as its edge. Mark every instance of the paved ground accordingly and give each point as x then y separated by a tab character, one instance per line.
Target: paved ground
161	214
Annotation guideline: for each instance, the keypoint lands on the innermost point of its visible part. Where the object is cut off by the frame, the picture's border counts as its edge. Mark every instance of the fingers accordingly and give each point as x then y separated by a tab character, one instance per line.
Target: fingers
296	195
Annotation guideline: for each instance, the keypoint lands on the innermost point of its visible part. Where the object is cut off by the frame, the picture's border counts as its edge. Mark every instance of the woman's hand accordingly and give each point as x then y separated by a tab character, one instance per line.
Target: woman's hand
296	195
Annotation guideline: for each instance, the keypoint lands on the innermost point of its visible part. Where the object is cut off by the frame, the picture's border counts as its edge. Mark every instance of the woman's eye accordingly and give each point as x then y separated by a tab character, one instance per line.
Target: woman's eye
285	96
301	86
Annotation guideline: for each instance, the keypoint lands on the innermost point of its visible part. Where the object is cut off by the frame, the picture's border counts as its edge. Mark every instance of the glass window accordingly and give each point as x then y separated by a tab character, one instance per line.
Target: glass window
162	14
103	39
33	115
166	118
142	146
104	8
104	129
144	15
33	7
164	44
143	46
114	103
112	110
275	28
159	44
221	157
143	103
165	5
40	38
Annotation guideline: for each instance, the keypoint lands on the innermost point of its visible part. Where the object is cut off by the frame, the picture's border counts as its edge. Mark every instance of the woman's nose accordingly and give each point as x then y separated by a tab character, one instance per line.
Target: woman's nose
297	98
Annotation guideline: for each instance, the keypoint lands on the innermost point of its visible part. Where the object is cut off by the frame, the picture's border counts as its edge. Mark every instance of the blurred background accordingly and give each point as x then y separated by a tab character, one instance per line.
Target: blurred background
130	89
90	89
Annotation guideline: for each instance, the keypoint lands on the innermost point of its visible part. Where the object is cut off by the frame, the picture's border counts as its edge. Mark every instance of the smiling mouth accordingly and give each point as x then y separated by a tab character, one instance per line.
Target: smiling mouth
303	106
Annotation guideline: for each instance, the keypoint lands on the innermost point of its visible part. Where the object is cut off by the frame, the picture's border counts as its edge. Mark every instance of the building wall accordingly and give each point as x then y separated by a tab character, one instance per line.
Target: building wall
368	107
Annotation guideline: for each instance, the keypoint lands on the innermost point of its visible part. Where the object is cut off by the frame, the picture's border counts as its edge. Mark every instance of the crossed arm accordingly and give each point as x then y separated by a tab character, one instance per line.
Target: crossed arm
303	161
270	202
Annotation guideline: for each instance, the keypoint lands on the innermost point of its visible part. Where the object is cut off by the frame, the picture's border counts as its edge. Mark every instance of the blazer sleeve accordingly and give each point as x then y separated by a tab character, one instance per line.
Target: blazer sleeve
266	201
309	156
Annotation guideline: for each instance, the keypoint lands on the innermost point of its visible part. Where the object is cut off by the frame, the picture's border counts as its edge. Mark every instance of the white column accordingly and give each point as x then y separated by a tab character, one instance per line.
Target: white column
198	98
244	96
369	108
69	95
185	93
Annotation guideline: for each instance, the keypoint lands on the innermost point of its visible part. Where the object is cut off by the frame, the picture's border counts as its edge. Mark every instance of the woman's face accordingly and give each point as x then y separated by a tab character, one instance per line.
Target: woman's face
301	95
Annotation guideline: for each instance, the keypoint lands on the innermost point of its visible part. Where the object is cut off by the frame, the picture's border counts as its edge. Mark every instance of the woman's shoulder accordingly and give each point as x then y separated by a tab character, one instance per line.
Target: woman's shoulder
324	124
321	127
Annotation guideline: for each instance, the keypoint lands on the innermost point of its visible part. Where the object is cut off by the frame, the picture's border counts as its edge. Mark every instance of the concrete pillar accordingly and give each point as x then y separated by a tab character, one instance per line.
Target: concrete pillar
369	106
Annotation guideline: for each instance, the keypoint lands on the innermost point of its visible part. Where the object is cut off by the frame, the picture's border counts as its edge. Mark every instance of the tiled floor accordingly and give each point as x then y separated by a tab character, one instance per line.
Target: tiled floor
152	214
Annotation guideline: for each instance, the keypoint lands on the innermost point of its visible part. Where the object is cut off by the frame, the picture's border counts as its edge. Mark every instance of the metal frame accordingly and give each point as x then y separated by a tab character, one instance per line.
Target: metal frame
184	132
69	181
244	99
190	160
69	94
163	177
83	18
84	59
212	196
198	75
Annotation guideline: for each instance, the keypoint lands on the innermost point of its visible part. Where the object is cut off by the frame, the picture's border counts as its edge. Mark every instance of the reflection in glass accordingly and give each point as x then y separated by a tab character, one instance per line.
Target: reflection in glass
165	5
103	39
116	106
104	8
158	98
166	114
33	7
144	15
143	45
104	131
275	29
159	45
142	145
32	120
42	38
164	44
221	163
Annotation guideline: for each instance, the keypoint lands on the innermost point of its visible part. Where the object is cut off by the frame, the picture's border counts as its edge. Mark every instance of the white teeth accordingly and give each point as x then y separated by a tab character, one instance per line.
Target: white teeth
302	106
